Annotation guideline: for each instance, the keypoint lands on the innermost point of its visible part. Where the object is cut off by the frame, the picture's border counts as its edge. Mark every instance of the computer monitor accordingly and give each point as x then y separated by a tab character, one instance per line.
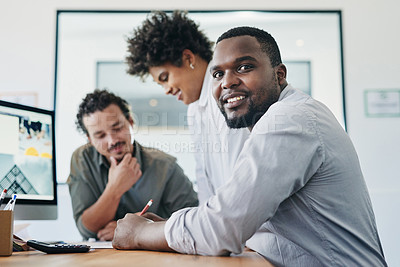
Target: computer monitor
27	161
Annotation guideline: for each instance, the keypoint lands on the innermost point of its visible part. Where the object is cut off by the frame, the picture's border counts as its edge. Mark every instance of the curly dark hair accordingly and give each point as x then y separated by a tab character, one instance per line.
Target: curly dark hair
267	42
162	38
98	101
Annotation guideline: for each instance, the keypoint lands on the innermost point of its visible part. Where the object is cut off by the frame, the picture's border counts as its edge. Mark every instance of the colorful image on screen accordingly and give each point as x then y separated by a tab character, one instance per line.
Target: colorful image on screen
26	152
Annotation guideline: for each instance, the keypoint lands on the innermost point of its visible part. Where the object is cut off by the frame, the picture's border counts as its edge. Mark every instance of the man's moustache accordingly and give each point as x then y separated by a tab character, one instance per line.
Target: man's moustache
116	145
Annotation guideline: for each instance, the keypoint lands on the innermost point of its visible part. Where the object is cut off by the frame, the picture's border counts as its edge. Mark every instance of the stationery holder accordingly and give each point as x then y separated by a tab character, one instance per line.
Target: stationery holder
6	232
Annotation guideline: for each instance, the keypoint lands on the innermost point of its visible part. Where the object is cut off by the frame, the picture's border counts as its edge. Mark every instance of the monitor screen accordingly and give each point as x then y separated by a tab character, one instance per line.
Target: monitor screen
27	160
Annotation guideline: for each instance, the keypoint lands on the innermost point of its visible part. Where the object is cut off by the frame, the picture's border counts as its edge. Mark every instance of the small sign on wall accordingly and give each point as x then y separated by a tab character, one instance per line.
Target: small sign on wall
382	103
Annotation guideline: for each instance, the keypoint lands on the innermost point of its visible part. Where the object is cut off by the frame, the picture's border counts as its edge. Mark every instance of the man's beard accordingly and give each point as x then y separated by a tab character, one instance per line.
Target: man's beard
125	151
253	114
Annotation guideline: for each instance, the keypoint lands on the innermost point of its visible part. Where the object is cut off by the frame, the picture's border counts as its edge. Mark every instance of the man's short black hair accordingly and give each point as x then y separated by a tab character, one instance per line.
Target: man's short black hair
267	42
162	38
98	101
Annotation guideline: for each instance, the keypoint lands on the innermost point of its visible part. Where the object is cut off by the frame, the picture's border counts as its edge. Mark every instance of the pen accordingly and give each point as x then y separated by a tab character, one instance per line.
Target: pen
3	195
15	200
9	204
146	207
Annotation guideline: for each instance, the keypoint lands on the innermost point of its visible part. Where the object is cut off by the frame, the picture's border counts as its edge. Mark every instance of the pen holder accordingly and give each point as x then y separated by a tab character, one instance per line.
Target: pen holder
6	232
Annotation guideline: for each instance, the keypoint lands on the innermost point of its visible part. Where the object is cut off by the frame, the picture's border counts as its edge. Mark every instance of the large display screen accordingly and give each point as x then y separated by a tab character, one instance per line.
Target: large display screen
27	152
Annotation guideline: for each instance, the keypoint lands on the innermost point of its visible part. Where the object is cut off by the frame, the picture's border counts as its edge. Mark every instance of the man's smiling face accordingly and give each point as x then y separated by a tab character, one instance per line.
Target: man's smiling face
245	84
108	132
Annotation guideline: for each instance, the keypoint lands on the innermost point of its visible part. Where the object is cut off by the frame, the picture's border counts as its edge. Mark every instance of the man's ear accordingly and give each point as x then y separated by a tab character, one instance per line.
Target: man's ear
281	74
131	122
89	140
188	58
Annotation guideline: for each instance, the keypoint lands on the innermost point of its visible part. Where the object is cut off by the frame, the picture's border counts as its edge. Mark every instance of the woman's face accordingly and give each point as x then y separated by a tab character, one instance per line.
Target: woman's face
184	82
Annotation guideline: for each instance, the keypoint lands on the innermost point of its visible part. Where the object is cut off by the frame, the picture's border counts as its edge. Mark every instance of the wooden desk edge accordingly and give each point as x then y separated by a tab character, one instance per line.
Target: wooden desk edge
107	257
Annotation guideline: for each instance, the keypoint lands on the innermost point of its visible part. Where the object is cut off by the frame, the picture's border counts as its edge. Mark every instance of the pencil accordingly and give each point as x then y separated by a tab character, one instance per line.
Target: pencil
146	207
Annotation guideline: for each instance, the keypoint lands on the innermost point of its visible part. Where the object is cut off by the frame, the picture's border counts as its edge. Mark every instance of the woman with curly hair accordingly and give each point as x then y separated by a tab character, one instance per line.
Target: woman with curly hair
176	53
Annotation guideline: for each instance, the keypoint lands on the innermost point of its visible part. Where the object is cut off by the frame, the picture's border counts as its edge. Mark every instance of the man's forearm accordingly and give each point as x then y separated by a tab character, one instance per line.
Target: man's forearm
101	212
152	237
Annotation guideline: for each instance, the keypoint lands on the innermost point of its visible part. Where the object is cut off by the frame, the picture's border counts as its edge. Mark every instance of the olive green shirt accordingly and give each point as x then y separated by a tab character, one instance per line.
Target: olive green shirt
162	180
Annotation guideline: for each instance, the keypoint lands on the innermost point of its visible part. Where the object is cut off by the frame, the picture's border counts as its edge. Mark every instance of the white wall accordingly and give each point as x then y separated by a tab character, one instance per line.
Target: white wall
372	61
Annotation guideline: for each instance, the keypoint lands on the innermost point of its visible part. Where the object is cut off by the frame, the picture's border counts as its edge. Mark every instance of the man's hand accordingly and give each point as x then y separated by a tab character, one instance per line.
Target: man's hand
122	176
138	232
152	216
107	233
128	231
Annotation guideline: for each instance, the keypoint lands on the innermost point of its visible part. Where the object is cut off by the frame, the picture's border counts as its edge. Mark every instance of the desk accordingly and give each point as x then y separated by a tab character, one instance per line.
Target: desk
119	258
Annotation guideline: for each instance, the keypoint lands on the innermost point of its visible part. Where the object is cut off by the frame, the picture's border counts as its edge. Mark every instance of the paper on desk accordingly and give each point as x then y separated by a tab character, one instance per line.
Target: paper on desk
21	230
95	244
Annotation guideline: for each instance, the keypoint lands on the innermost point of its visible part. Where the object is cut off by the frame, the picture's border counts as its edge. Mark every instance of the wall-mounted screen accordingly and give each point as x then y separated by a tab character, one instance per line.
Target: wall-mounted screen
91	51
